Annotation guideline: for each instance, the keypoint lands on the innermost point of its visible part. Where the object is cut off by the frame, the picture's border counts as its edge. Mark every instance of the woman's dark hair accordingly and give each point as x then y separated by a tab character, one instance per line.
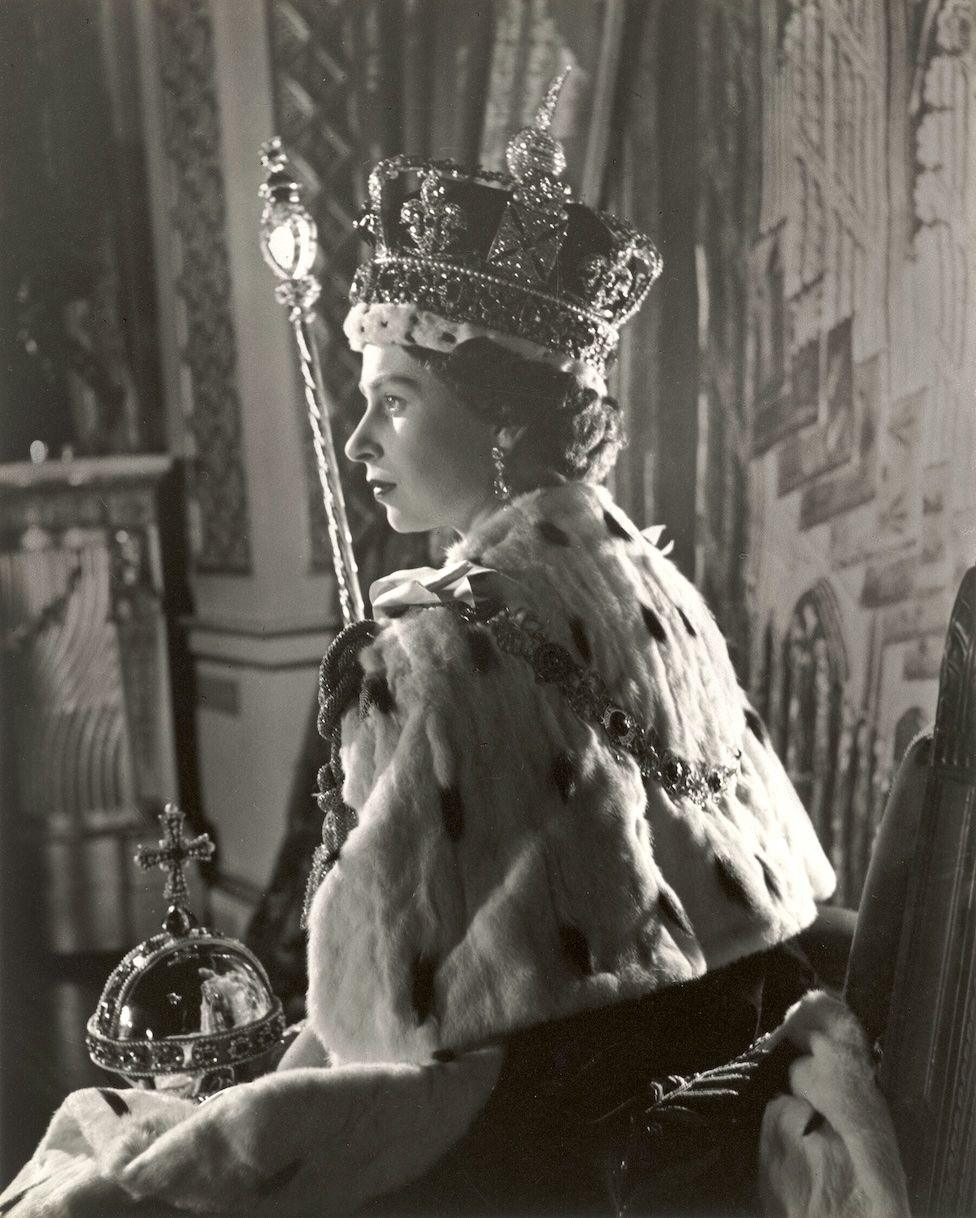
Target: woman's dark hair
571	433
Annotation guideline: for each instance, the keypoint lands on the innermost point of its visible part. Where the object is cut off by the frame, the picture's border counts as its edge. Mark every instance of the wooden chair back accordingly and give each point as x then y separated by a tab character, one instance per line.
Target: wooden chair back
912	972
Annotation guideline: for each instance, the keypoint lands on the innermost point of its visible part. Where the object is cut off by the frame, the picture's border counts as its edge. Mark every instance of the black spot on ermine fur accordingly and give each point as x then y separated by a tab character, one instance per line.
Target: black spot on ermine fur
576	949
484	654
772	883
687	623
422	987
653	623
375	694
578	631
732	884
452	811
615	528
565	776
673	911
114	1101
755	725
552	533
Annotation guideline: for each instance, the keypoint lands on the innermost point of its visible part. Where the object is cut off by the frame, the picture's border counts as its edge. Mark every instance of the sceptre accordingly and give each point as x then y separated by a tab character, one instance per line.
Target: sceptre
289	242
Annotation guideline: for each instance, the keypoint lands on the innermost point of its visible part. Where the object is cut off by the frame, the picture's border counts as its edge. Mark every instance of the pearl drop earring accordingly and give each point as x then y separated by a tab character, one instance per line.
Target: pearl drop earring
501	487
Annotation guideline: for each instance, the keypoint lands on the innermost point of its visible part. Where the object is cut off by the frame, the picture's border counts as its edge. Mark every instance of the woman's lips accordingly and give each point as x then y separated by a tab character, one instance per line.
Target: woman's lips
382	488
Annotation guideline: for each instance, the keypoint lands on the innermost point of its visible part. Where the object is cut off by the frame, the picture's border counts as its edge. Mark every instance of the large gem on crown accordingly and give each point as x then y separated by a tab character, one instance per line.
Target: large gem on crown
529	237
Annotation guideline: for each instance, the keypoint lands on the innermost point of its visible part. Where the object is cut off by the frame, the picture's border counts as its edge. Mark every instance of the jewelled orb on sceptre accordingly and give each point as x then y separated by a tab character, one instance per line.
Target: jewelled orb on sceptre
187	1011
289	235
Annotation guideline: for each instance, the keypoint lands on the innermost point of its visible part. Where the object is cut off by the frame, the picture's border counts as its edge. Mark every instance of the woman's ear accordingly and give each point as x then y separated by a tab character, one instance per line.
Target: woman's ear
507	437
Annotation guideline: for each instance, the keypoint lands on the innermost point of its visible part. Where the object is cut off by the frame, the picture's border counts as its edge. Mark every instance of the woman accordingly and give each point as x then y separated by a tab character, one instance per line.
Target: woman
512	874
552	820
561	864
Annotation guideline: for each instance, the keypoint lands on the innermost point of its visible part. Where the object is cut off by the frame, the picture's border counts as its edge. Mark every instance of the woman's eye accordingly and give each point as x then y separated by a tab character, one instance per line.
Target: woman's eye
392	403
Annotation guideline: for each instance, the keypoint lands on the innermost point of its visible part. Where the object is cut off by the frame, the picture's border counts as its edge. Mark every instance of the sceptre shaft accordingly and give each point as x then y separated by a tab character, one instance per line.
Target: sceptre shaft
289	242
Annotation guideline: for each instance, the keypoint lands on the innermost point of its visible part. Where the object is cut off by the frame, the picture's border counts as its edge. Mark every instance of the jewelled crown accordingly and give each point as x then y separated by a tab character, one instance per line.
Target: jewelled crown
460	253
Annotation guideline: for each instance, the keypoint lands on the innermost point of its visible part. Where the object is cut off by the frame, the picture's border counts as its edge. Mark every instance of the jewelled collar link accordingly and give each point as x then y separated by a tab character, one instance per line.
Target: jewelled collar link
518	634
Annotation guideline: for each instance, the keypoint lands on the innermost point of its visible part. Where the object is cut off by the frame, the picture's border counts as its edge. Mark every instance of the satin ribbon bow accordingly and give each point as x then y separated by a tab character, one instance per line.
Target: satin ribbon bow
653	534
461	582
464	582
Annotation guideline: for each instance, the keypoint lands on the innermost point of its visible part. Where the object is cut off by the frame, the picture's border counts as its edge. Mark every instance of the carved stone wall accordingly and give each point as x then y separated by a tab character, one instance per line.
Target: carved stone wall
218	512
861	365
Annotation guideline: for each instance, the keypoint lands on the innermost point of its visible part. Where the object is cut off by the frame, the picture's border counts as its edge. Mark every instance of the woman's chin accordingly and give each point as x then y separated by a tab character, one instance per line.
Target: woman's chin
400	522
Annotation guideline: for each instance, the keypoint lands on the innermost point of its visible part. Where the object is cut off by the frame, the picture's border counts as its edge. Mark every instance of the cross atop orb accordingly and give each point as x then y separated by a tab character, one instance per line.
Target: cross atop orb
172	852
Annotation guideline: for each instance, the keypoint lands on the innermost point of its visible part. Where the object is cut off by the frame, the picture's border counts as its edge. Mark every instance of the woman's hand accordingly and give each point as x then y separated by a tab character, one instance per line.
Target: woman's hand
828	1150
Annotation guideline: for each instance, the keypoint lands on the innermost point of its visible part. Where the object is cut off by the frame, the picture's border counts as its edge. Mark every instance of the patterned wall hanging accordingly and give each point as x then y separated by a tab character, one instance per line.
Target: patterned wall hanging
208	353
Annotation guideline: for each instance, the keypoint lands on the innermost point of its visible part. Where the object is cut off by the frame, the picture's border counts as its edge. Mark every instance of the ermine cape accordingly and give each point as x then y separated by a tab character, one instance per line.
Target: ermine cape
510	865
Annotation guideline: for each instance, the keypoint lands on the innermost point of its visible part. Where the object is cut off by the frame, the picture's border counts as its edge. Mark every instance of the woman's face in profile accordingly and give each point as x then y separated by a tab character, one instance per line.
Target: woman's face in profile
427	456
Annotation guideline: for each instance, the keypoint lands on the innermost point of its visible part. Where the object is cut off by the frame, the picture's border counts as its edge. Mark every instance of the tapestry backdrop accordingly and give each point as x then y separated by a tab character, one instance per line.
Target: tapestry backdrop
861	366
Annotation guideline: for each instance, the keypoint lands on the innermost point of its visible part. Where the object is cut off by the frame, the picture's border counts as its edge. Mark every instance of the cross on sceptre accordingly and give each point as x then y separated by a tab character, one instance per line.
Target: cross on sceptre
172	851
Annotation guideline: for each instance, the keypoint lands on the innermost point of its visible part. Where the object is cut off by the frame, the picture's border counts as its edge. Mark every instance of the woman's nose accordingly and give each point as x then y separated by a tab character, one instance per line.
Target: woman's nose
362	444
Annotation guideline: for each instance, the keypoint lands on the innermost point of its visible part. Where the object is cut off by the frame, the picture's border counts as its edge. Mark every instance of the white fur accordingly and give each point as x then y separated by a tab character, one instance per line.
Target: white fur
407	325
297	1142
849	1166
487	909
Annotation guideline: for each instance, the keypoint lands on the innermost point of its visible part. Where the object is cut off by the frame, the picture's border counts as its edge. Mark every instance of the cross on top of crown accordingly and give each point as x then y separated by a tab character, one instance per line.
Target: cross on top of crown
172	851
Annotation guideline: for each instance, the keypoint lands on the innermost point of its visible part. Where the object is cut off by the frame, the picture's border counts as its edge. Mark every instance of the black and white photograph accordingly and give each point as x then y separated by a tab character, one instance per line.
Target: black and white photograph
488	608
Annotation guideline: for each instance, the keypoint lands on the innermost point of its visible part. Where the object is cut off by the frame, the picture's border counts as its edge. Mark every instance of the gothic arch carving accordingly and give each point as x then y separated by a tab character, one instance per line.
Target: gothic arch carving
220	525
823	596
813	675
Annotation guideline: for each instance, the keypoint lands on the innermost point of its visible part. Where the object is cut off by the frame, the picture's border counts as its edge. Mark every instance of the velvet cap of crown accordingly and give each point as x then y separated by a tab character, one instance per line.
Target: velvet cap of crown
460	253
